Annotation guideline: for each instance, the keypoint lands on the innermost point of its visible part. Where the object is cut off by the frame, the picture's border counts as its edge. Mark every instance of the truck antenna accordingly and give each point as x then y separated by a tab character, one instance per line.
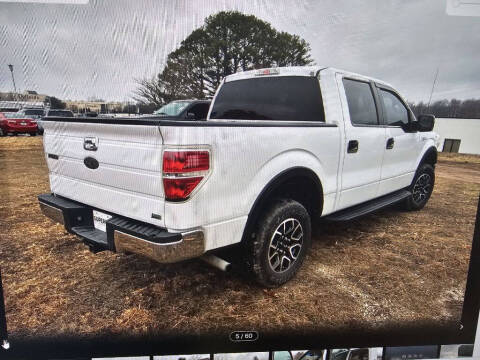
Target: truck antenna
433	88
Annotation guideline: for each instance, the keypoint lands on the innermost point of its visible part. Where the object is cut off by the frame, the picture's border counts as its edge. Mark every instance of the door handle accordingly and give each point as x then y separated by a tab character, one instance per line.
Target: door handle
390	143
352	146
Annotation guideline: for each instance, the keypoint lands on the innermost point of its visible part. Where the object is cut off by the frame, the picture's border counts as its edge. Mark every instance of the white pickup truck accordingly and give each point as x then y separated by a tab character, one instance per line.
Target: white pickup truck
280	148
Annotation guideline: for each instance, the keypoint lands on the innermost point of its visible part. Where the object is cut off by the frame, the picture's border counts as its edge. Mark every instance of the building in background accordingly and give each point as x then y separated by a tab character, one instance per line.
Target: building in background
458	135
26	96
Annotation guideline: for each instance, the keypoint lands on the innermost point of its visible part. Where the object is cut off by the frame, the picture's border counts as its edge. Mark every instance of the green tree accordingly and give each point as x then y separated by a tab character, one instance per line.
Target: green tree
56	103
228	42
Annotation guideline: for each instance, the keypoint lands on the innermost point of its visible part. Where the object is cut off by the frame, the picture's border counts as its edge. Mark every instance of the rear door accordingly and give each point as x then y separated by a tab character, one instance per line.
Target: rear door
128	178
364	142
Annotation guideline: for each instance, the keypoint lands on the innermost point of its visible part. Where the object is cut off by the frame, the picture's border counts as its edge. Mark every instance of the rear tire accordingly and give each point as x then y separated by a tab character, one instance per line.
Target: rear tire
277	248
2	133
421	188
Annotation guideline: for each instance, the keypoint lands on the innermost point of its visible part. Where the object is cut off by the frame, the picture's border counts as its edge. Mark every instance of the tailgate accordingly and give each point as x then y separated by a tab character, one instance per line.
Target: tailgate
128	179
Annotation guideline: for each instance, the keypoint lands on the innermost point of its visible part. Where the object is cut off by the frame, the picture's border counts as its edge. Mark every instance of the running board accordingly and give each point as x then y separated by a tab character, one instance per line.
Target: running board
369	206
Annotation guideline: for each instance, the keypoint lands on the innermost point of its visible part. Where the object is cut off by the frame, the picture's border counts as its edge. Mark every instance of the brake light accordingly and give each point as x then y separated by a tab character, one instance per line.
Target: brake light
185	161
271	71
183	171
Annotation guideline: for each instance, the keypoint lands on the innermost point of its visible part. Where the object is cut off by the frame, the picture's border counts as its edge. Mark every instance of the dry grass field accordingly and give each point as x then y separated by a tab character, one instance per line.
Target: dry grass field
392	266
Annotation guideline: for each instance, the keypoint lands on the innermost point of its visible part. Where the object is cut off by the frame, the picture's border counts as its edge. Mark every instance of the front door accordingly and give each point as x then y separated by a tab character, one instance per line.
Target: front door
364	142
402	146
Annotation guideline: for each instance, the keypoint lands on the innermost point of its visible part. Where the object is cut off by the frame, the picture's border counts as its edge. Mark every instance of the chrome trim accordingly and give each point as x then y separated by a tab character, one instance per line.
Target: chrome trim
190	246
52	212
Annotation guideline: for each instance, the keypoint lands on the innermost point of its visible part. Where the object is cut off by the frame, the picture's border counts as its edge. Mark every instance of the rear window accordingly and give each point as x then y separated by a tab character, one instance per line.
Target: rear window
293	98
33	112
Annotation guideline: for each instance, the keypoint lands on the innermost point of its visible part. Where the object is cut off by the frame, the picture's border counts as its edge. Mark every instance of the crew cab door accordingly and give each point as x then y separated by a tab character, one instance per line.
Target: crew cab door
402	144
364	142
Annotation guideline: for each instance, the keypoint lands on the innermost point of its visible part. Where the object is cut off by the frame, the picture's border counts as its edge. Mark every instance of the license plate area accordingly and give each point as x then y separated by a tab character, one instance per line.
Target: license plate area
100	220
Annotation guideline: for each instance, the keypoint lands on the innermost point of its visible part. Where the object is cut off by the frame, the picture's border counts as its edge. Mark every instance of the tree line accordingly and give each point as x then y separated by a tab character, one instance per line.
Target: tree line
454	108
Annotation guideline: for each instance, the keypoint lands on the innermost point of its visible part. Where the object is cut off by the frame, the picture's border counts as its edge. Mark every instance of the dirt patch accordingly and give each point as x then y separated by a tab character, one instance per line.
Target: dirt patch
389	267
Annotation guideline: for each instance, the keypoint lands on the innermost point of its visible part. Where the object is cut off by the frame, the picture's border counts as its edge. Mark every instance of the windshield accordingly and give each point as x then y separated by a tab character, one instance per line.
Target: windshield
173	109
63	113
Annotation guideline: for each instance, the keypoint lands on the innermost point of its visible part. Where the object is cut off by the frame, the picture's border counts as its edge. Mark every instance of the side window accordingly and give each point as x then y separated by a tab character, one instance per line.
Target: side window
395	112
361	104
202	111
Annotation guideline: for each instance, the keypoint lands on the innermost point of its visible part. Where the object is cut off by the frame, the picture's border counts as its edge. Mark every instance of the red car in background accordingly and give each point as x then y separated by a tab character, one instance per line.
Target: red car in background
12	123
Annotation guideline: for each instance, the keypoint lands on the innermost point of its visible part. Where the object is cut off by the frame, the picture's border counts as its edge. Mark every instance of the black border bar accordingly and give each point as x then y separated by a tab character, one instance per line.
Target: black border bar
3	318
471	302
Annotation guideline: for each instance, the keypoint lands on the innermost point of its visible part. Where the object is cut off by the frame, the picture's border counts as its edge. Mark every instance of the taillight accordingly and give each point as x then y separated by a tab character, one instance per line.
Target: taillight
183	171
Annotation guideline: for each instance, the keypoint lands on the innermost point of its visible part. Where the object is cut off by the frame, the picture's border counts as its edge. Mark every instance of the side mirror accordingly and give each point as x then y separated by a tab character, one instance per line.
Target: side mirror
425	122
190	116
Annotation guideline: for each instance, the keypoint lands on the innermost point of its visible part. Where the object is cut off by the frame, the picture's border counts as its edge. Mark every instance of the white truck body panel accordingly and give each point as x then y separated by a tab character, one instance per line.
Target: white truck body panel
128	183
241	171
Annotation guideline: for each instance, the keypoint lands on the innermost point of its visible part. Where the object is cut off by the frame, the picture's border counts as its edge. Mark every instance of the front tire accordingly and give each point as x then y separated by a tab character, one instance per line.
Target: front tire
280	243
2	133
421	188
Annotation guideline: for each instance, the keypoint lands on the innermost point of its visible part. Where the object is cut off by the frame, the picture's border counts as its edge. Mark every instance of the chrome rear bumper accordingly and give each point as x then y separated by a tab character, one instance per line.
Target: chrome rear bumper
190	246
123	234
52	212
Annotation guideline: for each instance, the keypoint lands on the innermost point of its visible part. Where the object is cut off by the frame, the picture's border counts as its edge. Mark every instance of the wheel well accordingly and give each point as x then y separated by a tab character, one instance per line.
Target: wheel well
430	157
299	184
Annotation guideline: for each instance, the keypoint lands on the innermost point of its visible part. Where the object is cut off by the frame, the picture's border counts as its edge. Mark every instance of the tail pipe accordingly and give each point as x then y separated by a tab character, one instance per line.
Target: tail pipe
217	262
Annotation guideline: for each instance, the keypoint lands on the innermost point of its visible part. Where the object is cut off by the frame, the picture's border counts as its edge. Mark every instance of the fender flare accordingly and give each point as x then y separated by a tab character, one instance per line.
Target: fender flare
429	156
262	199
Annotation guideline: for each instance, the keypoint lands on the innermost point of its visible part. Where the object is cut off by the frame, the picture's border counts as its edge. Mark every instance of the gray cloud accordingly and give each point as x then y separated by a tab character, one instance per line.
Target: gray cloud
79	51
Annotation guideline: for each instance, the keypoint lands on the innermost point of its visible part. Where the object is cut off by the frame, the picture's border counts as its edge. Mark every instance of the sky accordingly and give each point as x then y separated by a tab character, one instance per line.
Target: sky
98	49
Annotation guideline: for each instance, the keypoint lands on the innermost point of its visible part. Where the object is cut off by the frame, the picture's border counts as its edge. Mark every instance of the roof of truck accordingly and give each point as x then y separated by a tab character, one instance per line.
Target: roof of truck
297	71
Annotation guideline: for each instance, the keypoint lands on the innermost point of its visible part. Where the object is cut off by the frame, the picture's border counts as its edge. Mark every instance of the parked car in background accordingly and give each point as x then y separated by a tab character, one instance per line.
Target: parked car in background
88	114
184	110
35	113
14	123
106	116
32	113
59	113
56	113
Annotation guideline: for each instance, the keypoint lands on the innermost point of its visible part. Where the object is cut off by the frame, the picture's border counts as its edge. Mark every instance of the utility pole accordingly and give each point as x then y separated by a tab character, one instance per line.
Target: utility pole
10	66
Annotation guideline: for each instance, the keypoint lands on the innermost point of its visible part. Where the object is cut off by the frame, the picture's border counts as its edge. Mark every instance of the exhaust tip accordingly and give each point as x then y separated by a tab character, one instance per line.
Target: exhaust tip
217	262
